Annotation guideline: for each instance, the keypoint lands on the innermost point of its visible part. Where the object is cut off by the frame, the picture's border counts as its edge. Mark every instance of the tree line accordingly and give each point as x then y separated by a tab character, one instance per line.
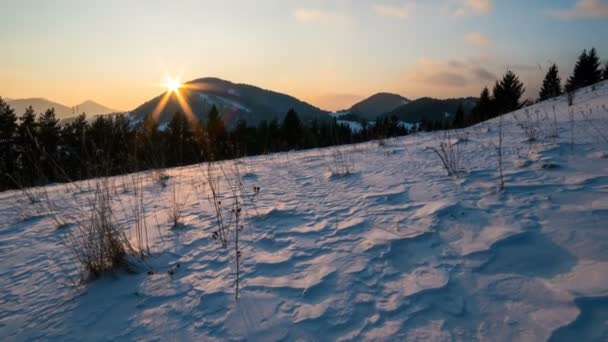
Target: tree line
35	149
506	94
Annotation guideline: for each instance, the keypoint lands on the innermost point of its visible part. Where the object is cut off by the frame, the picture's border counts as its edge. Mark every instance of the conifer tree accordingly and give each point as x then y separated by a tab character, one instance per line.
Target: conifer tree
576	80
180	141
8	127
459	117
216	131
605	72
587	71
507	93
291	129
28	154
593	70
552	86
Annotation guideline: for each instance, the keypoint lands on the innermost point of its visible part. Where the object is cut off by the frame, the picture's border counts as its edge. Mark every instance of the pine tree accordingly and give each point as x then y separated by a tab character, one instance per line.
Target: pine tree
291	129
216	131
8	127
459	117
28	154
577	79
593	71
587	71
507	93
552	86
180	141
74	159
48	132
605	73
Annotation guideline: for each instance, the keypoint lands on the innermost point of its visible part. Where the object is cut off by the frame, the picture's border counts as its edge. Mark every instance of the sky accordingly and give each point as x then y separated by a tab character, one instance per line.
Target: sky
330	53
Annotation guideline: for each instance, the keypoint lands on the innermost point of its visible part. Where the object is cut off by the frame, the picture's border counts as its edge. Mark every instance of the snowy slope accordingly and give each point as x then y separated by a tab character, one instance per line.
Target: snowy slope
396	250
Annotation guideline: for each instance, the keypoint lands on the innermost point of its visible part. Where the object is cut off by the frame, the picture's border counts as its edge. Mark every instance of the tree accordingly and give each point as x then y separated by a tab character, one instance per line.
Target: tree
180	141
586	71
593	70
73	140
292	130
552	85
216	131
605	73
507	93
8	127
459	117
48	133
27	155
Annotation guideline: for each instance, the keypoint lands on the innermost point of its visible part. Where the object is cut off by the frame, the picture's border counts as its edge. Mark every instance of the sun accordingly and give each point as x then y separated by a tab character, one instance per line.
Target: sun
173	85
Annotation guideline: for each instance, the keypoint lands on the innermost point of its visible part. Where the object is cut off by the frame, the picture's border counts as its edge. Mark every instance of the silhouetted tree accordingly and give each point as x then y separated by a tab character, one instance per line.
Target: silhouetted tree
507	93
605	72
8	128
586	71
459	117
291	130
552	85
216	131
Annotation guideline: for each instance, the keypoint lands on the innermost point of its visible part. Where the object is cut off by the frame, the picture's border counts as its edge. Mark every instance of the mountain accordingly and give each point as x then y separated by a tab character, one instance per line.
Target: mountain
376	105
234	102
61	111
432	109
93	108
40	105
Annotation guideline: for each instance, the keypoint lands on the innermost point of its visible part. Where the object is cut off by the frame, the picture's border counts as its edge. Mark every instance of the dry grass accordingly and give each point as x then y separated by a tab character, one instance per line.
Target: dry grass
97	241
450	152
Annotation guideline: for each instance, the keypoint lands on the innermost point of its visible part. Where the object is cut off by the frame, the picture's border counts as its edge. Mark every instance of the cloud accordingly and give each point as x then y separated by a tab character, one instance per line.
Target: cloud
477	39
483	74
401	12
311	15
447	78
583	9
475	7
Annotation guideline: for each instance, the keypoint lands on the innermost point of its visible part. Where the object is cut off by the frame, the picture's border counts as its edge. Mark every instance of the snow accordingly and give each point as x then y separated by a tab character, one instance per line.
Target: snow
223	102
354	126
396	250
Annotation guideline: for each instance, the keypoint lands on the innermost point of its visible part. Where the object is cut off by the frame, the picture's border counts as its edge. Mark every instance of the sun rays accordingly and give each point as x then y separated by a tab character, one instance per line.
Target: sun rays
181	92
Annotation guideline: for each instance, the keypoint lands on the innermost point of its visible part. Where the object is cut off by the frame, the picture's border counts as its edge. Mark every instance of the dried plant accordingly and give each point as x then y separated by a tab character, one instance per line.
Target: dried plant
450	151
228	207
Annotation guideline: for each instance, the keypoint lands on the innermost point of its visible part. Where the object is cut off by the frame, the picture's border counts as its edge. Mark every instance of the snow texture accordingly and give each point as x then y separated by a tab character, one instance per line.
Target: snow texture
395	250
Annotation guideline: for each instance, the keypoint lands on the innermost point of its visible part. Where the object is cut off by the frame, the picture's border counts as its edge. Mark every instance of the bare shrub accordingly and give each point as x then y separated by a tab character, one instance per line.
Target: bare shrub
341	164
501	184
450	151
178	203
138	213
161	177
97	241
228	207
530	124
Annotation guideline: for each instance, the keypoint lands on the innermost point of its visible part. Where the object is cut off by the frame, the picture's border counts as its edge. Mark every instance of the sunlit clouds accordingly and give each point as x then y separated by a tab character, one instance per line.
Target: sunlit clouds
398	11
584	9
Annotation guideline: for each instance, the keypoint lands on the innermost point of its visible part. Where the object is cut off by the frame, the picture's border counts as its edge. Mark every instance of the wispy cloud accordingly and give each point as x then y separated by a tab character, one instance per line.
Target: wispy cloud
477	39
583	9
401	11
474	7
311	15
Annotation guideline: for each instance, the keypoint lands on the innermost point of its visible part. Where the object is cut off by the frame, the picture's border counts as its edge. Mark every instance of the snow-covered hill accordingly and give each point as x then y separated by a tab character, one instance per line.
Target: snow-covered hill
395	250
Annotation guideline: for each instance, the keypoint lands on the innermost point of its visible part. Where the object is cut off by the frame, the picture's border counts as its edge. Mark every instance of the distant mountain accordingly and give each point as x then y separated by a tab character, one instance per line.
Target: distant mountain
93	108
61	111
376	105
432	109
234	102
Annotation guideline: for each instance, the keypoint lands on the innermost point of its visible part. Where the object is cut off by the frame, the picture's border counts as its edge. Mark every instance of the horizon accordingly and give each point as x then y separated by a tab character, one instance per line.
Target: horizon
329	53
